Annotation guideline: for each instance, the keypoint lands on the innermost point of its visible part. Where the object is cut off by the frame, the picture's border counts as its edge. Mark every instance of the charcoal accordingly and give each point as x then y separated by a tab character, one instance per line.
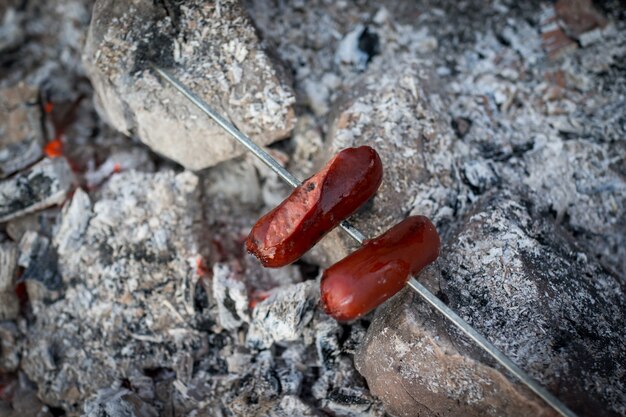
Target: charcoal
43	185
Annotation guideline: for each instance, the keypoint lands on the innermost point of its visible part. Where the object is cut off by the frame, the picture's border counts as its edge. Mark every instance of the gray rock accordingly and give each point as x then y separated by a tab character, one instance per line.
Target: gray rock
21	133
283	316
118	403
213	49
394	111
43	185
528	289
129	276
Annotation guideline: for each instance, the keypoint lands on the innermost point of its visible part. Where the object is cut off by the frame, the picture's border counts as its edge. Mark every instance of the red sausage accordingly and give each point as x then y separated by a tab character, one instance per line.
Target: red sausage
317	206
367	277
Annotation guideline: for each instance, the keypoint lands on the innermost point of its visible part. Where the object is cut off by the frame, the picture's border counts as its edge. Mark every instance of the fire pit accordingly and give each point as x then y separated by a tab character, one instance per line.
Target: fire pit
125	288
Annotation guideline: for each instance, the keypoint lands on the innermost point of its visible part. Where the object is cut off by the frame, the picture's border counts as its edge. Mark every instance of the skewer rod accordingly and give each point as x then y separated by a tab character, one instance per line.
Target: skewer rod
454	318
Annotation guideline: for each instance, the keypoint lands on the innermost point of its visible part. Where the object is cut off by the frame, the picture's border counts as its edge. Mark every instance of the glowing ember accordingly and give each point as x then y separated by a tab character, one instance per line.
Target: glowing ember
54	148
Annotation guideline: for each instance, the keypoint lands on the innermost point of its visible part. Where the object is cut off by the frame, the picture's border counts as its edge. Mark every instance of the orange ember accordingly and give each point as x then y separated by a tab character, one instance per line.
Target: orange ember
54	148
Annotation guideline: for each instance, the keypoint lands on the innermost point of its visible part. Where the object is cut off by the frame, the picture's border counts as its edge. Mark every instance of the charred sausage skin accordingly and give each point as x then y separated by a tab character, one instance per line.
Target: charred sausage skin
315	207
369	276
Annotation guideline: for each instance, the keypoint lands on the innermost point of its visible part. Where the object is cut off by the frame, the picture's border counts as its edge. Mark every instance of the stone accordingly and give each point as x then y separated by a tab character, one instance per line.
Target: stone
21	133
213	49
129	278
395	112
283	316
562	324
43	185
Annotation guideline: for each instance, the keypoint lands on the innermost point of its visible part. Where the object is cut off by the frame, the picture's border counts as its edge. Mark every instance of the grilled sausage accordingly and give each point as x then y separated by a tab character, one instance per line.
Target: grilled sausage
369	276
315	207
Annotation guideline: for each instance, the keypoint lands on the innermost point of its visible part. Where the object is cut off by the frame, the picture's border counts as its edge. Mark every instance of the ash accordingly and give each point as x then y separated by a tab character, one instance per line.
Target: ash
125	289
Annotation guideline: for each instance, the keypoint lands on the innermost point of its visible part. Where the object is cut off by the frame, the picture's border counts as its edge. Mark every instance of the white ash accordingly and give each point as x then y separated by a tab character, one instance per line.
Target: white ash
70	232
213	48
308	143
129	285
11	344
283	316
118	403
231	296
11	33
133	159
21	138
235	180
42	185
334	43
480	175
551	112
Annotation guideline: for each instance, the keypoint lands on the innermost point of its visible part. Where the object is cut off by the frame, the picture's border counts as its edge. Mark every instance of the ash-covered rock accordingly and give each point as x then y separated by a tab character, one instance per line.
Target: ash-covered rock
563	324
398	114
283	316
43	185
128	264
21	135
212	48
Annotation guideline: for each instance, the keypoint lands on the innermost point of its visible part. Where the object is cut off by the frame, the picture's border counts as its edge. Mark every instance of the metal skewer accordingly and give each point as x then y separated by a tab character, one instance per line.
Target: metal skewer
461	324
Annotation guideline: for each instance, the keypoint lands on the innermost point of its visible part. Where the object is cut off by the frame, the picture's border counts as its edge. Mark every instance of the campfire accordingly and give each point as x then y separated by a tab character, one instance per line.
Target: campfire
152	265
